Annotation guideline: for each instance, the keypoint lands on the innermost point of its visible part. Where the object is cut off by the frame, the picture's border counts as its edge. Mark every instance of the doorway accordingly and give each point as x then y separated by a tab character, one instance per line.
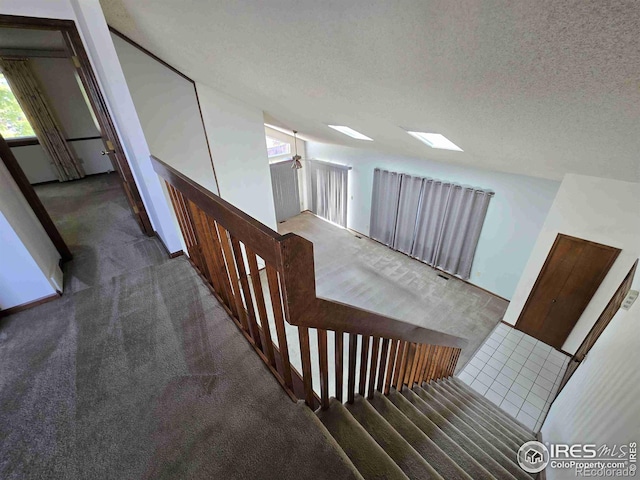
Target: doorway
48	39
570	276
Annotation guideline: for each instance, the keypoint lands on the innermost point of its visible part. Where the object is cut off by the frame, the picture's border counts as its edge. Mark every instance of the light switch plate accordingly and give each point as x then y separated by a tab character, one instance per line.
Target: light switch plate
629	299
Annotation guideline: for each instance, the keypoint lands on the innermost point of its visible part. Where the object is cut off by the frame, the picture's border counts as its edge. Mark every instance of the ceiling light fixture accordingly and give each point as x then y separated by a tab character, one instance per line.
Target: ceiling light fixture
350	132
435	140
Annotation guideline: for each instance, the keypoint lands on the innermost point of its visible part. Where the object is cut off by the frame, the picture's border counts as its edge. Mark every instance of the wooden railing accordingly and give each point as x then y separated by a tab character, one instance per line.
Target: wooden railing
227	247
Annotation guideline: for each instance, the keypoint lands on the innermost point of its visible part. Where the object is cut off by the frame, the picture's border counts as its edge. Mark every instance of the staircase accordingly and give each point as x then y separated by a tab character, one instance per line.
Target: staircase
443	429
405	415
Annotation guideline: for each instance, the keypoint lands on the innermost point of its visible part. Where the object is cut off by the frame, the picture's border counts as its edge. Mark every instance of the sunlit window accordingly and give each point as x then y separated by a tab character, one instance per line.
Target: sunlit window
13	122
276	148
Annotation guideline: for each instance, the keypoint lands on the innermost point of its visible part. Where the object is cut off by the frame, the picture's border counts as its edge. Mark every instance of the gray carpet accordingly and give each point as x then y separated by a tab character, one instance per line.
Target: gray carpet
137	372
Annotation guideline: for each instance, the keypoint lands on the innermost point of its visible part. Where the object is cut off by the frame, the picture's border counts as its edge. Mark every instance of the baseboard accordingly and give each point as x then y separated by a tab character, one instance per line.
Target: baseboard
171	254
26	306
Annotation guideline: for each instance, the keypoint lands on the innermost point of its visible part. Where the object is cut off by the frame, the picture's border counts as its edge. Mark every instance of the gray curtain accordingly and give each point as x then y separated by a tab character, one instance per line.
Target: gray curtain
434	221
384	205
408	203
328	190
286	193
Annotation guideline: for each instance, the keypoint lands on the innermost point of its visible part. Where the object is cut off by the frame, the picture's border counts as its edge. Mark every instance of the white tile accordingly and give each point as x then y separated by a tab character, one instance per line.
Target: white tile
543	347
466	378
518	357
497	333
479	364
538	426
501	357
515	335
482	356
504	349
523	349
540	391
509	407
499	388
494	396
479	387
487	349
548	375
520	390
511	363
536	359
534	367
552	367
484	378
495	363
544	382
557	358
509	372
528	373
527	419
504	380
524	381
471	370
531	409
528	340
535	400
510	343
492	372
491	343
503	328
514	398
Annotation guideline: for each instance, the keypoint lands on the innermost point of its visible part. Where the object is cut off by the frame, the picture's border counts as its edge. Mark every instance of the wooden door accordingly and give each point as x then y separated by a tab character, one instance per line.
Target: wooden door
603	320
568	280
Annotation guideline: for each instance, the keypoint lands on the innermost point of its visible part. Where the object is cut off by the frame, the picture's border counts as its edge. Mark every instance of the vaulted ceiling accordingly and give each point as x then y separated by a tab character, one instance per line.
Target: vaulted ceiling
540	87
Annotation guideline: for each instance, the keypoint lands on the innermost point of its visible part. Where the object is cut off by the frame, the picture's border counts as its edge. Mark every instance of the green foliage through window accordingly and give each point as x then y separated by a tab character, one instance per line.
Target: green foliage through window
13	123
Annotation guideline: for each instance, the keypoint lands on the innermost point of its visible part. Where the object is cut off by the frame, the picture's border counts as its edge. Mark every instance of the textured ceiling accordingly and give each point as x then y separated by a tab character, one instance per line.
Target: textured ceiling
539	87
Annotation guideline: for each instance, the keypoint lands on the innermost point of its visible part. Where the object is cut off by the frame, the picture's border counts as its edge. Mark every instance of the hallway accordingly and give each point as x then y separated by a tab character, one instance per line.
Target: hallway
137	371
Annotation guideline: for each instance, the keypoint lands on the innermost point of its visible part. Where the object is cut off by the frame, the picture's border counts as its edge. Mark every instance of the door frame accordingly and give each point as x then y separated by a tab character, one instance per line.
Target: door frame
108	132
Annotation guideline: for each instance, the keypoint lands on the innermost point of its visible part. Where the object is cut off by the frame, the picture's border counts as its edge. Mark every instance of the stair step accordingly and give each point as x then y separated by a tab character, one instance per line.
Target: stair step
366	455
464	453
447	457
405	456
471	405
502	464
331	442
463	387
461	409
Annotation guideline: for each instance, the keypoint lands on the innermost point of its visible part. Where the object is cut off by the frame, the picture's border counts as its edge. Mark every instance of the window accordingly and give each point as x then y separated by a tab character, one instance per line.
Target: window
13	122
276	148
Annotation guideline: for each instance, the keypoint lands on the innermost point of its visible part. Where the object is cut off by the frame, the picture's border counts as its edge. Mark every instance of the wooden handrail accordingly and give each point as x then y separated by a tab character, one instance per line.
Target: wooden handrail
223	243
295	255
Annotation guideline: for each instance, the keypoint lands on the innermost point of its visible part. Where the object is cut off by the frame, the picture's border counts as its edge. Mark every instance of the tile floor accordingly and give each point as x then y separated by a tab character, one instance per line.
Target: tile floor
516	372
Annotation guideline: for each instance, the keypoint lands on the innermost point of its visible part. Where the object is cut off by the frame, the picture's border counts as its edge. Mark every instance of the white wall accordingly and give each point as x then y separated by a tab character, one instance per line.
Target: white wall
514	219
57	78
600	402
239	150
597	209
168	110
28	260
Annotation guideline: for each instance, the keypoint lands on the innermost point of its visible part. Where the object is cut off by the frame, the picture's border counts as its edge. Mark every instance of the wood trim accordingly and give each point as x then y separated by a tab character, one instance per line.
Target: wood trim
514	327
171	254
25	142
34	201
33	53
35	23
19	308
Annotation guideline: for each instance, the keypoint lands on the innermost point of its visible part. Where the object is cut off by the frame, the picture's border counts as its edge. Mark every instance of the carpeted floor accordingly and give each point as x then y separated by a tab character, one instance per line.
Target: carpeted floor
137	372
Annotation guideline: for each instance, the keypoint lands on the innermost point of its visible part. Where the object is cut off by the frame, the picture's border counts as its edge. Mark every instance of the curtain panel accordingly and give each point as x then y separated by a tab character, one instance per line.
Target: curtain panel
36	108
328	190
286	193
435	221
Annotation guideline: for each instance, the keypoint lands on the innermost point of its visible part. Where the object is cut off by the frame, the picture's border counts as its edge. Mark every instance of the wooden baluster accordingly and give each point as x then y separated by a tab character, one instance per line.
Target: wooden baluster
197	229
276	304
364	355
372	367
244	283
324	369
339	366
177	208
382	364
425	363
234	279
351	380
411	354
436	361
262	309
445	361
447	367
220	265
417	360
391	365
454	364
207	250
400	364
305	356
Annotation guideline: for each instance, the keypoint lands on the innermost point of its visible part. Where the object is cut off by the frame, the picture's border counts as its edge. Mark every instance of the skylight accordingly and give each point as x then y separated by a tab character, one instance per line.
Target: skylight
350	132
435	140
